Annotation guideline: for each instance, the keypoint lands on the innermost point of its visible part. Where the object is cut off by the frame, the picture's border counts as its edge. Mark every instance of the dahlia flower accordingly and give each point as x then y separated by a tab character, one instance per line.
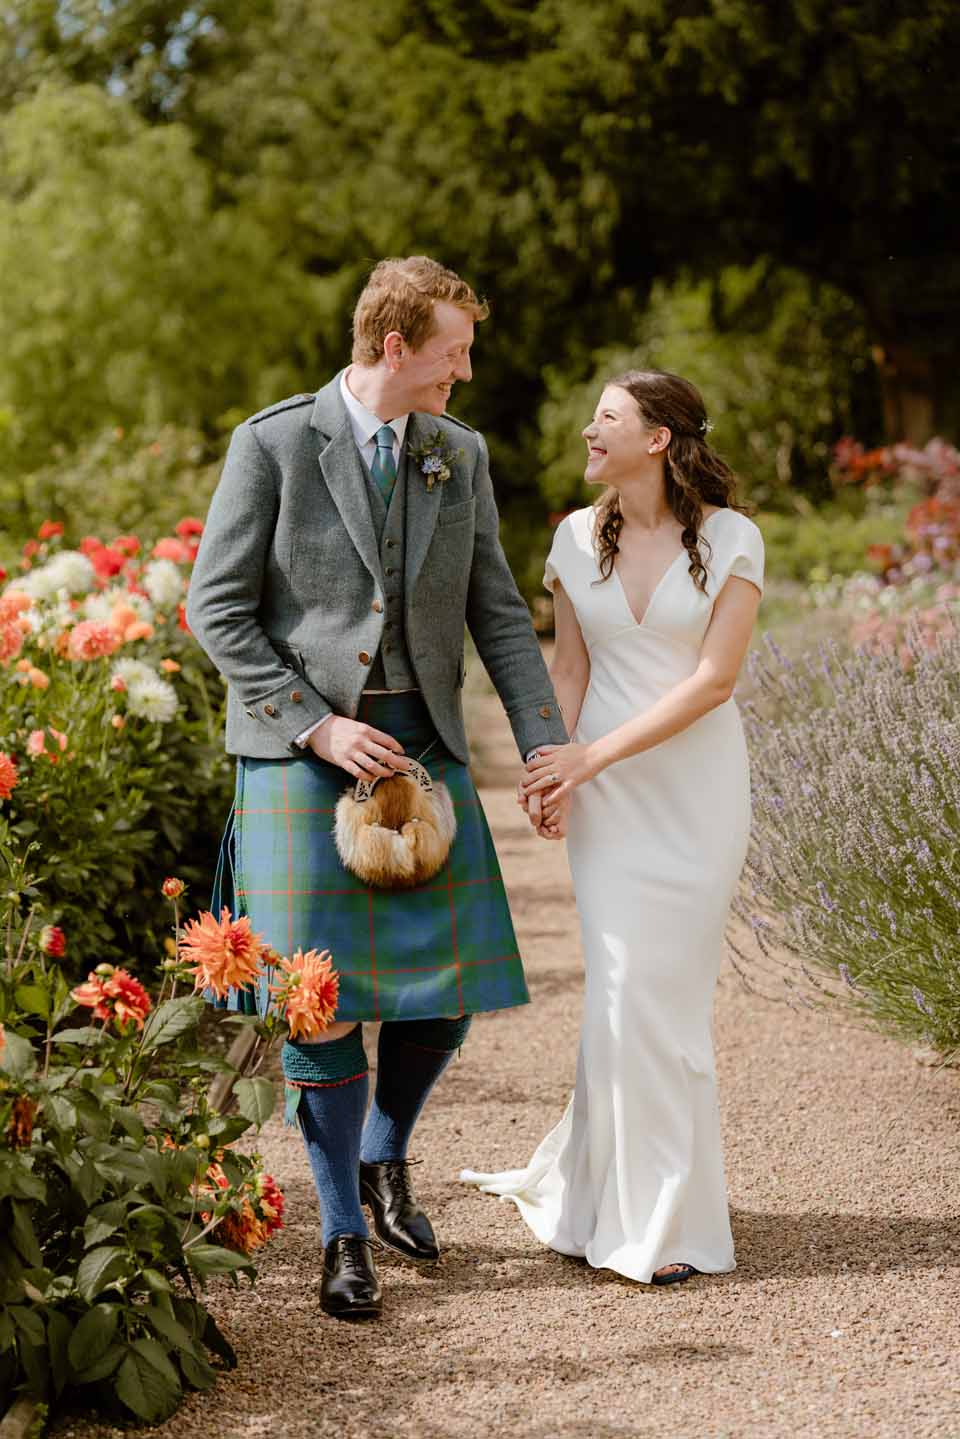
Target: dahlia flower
13	603
8	775
172	888
11	641
223	953
114	994
270	1201
171	550
307	993
49	529
188	526
91	641
242	1231
53	941
164	582
36	742
131	672
38	678
69	570
152	699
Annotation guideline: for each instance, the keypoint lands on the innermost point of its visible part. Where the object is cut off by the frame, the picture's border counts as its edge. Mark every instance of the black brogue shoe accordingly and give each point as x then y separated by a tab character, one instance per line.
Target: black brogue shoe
397	1217
350	1288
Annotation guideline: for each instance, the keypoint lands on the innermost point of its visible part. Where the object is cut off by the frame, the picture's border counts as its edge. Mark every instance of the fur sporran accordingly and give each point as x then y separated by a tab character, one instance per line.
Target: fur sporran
395	833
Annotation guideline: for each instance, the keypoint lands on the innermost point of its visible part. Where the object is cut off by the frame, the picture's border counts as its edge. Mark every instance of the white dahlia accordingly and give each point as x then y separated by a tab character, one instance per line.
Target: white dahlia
164	583
152	699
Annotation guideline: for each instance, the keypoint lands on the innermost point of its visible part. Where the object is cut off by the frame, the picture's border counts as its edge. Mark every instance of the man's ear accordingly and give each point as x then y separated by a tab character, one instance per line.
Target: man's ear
393	348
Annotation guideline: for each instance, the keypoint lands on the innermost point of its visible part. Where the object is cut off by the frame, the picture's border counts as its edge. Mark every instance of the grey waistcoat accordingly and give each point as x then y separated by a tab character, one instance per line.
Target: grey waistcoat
392	668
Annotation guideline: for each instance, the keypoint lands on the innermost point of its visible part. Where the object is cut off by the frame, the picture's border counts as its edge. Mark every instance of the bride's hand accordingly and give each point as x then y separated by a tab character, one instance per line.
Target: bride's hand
560	768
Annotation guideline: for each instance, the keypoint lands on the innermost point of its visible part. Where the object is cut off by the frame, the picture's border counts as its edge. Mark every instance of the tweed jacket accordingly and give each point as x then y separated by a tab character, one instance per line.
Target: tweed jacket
288	591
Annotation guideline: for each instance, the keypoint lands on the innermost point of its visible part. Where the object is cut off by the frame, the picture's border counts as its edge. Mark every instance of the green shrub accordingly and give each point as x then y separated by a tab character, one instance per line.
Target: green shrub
120	1191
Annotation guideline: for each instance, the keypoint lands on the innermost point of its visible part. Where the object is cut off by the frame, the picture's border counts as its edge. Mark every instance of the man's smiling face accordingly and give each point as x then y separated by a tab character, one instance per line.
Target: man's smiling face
429	374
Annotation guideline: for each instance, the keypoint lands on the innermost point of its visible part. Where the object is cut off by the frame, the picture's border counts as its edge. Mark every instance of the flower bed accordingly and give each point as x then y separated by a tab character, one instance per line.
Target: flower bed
111	758
852	885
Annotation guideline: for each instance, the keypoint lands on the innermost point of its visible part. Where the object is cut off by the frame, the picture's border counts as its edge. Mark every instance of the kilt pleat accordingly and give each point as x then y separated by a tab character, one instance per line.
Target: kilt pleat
445	948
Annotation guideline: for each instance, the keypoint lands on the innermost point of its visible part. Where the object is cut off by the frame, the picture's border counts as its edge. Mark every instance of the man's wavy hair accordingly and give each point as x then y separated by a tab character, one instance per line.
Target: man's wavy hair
694	473
401	295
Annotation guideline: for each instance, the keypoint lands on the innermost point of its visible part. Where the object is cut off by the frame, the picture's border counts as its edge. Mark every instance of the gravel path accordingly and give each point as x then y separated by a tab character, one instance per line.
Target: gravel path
842	1320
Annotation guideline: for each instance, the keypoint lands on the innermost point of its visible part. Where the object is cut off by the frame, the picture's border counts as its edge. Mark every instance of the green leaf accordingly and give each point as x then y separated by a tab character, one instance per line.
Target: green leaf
102	1222
94	1117
98	1269
24	1239
129	1121
167	1327
172	1019
217	1342
86	1036
33	998
17	1057
205	1259
196	1370
156	1282
59	1111
92	1338
104	1366
256	1099
146	1390
29	1323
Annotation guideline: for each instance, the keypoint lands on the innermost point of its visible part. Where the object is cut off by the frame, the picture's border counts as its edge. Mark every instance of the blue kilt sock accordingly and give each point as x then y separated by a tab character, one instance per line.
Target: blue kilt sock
332	1079
411	1056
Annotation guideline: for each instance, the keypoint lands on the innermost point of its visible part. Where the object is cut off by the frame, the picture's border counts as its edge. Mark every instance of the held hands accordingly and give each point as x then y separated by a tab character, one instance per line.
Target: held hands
554	771
360	749
545	801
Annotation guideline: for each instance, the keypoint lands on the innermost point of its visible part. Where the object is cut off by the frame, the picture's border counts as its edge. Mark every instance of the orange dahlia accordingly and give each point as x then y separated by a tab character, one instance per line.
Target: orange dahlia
89	640
270	1202
223	953
307	993
8	775
114	994
242	1231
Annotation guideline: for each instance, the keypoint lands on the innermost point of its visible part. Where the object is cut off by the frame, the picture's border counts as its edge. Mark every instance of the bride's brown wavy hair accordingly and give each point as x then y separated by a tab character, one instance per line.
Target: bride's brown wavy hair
695	475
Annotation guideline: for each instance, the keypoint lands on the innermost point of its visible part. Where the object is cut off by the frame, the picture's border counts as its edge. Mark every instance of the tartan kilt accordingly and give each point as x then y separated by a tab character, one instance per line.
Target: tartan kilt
443	949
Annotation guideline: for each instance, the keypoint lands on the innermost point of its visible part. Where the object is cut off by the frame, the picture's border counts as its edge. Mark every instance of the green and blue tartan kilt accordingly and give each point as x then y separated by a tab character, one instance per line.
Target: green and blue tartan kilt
443	949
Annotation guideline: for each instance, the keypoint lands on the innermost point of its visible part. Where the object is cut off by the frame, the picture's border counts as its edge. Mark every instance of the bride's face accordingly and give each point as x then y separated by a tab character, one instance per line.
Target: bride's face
618	442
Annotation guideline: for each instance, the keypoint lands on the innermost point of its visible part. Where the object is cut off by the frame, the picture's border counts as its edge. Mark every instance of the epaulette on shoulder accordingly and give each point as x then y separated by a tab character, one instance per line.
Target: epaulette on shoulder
291	404
460	424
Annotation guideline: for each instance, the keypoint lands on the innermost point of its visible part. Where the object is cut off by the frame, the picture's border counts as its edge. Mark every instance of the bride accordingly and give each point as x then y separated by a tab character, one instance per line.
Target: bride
656	590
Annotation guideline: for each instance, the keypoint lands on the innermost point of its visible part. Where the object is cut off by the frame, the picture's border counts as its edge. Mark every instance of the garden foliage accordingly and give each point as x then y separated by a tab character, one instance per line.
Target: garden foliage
111	751
853	877
121	1193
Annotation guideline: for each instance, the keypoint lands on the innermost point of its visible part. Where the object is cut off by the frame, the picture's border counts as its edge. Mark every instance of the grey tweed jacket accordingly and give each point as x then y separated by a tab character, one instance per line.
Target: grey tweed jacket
287	594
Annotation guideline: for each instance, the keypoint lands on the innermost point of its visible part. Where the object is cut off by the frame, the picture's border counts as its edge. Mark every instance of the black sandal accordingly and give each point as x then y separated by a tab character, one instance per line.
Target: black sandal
679	1276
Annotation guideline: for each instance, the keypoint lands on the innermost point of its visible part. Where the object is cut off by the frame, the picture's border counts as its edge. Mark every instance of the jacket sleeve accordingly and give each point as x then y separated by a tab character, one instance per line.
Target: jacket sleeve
223	603
499	621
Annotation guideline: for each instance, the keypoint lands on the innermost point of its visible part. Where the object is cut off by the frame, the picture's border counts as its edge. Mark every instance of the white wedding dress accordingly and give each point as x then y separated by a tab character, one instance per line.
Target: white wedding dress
632	1177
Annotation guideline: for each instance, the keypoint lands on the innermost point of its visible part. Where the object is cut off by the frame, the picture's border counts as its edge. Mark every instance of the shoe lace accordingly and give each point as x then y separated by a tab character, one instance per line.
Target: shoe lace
353	1255
397	1174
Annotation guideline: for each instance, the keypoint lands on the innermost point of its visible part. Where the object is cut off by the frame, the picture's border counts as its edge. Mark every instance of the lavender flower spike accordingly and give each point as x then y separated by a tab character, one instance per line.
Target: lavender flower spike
922	1003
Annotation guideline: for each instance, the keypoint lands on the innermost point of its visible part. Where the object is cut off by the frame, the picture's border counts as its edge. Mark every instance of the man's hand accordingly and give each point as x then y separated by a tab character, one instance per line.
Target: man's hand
361	750
546	813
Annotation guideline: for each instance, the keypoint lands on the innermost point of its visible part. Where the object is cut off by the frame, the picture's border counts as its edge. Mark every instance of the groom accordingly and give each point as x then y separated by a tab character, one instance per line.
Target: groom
338	566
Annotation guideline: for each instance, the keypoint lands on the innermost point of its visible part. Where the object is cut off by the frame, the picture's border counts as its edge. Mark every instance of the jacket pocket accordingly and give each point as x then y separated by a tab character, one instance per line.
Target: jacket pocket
291	656
456	514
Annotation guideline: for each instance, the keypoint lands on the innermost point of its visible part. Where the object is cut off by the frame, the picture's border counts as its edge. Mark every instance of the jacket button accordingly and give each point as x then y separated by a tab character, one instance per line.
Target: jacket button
296	696
269	710
363	657
377	607
545	711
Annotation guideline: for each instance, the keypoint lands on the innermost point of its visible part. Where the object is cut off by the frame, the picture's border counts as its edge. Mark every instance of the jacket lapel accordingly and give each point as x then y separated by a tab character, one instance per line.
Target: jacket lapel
342	469
423	505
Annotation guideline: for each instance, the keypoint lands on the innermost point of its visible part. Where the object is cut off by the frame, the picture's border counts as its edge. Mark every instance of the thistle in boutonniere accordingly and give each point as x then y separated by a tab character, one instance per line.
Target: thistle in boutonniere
434	458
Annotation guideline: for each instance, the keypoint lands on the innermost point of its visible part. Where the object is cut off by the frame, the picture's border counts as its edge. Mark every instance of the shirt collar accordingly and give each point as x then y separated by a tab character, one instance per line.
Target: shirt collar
365	423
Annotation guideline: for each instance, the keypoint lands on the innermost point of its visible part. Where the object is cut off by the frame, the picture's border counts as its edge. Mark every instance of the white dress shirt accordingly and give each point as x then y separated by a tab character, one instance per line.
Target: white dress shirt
365	425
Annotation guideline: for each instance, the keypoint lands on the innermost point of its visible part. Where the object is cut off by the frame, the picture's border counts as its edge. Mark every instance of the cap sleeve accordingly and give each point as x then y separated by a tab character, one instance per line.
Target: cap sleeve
748	560
551	572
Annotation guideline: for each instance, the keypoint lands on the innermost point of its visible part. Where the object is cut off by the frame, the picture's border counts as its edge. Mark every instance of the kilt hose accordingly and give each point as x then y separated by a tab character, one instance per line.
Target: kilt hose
443	949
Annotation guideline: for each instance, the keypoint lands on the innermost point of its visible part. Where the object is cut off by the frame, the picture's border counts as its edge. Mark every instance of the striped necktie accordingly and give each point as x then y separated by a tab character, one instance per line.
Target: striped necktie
384	466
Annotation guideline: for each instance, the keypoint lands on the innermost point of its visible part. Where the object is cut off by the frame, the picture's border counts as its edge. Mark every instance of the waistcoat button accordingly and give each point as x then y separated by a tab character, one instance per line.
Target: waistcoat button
296	696
545	711
269	710
363	657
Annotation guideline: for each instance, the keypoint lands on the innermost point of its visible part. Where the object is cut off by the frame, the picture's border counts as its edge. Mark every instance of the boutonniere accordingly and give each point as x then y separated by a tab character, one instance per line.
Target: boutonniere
433	458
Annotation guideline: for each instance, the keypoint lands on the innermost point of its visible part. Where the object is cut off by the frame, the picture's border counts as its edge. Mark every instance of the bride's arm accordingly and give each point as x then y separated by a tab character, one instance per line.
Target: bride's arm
570	666
711	683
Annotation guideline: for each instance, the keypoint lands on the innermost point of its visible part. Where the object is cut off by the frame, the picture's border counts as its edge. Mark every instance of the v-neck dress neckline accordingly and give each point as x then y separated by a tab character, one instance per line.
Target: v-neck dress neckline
660	582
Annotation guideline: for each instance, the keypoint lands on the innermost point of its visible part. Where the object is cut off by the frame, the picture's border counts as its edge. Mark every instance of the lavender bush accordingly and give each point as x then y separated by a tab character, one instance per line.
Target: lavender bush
852	883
